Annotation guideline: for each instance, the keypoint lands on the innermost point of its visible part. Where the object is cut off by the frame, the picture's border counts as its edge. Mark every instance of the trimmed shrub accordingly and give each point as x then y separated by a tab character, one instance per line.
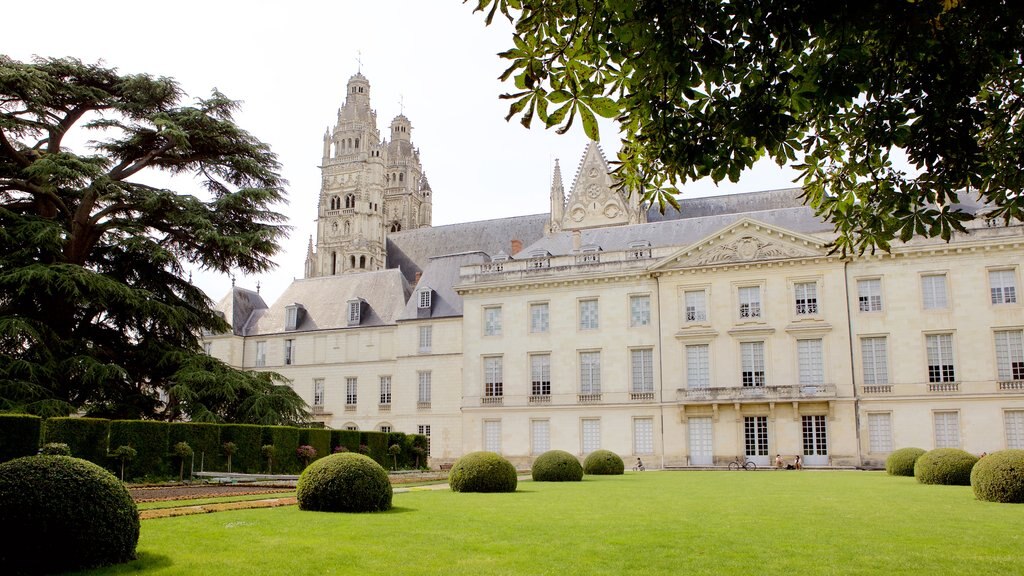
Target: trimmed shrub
204	438
248	439
378	443
285	440
344	482
55	449
949	466
999	477
87	437
347	438
21	434
318	438
603	463
482	472
59	513
557	466
901	462
149	439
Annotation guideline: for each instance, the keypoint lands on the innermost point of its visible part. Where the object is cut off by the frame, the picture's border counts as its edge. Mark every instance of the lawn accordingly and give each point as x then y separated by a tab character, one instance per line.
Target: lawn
642	523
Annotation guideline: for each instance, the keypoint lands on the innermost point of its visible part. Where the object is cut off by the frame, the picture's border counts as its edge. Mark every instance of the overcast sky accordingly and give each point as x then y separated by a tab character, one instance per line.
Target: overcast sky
288	62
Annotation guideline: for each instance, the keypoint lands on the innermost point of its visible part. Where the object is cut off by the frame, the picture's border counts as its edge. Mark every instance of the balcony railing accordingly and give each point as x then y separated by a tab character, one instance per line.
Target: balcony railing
1011	384
589	398
492	401
877	389
423	404
758	393
384	407
350	407
540	399
641	395
318	410
943	386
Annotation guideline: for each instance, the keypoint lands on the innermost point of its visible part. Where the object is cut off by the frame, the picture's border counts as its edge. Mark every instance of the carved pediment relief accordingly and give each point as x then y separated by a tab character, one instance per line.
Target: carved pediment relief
747	249
745	241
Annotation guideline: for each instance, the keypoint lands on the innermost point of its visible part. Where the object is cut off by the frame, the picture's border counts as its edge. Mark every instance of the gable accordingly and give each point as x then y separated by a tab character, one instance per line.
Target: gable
594	200
746	240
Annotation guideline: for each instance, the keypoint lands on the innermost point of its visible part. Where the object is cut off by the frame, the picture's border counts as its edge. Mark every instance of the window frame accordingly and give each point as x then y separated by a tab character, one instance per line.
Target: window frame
1007	292
939	372
866	303
540	386
588	320
645	370
492	321
589	371
645	316
747	309
494	376
351	390
541	318
931	298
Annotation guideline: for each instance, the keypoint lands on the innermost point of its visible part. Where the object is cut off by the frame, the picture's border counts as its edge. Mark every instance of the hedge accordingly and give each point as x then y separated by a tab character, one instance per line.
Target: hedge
285	440
87	437
901	462
318	438
349	439
378	443
344	483
999	477
947	466
603	462
150	440
203	438
21	434
482	472
248	439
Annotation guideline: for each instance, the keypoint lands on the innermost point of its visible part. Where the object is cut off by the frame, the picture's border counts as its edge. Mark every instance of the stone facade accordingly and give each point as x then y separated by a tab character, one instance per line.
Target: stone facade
689	339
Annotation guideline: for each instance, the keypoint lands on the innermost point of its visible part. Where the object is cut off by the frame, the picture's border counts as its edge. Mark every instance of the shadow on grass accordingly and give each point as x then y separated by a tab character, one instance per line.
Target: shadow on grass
399	510
144	562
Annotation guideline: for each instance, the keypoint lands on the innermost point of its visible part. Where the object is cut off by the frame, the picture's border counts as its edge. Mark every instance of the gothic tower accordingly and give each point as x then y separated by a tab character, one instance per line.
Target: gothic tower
350	219
407	195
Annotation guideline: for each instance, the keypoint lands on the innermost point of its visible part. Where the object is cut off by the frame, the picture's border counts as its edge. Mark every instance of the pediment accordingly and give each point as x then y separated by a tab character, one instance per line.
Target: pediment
594	200
745	241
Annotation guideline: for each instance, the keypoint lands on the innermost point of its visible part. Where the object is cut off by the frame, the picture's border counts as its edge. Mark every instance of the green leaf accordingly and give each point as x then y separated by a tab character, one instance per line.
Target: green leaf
589	122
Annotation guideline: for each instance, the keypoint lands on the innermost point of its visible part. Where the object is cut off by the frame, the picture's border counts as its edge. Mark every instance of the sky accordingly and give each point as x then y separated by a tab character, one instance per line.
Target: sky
288	64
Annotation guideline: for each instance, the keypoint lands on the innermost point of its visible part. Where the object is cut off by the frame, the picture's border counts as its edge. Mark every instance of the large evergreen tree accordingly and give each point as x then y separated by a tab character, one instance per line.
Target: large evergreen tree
97	312
837	89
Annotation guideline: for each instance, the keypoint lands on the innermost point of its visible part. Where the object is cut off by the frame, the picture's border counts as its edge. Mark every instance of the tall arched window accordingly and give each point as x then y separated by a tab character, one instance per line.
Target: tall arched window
362	261
357	143
350	201
401	177
334	263
348	227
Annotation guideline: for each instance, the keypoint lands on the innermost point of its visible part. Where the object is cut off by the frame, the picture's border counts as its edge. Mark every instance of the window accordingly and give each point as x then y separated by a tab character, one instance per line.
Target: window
492	435
540	436
940	358
755	435
492	321
385	389
947	429
750	302
806	294
423	430
1003	284
639	310
539	317
261	353
591	435
540	374
318	392
1014	429
493	382
207	348
385	428
293	316
351	426
590	372
643	436
880	432
289	352
809	358
933	291
426	338
642	361
869	295
423	394
351	390
874	358
355	312
696	306
697	366
1010	354
588	314
752	363
423	299
815	435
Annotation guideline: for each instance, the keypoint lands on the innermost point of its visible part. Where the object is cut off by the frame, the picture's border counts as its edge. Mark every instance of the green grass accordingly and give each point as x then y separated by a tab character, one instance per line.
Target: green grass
640	523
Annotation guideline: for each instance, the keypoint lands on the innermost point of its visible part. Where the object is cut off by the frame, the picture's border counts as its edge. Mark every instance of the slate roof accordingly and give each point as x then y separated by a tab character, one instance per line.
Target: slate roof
326	298
238	306
440	275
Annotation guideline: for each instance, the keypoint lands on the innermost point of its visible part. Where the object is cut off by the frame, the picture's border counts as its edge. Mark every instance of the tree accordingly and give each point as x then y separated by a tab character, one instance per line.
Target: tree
96	310
837	89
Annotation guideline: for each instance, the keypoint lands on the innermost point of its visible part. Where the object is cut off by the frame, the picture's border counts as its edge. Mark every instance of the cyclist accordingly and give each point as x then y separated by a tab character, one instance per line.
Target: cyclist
639	466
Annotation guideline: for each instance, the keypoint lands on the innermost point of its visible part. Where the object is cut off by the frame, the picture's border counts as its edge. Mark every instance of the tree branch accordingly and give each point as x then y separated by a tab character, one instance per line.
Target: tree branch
9	150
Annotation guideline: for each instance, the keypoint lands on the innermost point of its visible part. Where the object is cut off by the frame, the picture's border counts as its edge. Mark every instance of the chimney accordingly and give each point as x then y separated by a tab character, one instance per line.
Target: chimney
577	240
417	279
517	246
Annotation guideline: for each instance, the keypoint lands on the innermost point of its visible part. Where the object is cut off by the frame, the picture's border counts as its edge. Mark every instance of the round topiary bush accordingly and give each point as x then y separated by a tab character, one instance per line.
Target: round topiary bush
999	477
557	466
901	462
949	466
59	513
344	482
482	472
603	462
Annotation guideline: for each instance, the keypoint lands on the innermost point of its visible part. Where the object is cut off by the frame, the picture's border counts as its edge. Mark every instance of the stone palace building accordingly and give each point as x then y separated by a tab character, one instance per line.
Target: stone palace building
692	338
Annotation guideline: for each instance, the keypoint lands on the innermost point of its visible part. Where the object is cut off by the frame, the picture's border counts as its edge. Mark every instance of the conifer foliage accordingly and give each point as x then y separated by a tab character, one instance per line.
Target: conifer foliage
97	311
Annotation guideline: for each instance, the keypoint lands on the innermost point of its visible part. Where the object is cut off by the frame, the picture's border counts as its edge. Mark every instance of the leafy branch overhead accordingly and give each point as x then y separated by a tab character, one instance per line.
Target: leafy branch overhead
96	312
837	90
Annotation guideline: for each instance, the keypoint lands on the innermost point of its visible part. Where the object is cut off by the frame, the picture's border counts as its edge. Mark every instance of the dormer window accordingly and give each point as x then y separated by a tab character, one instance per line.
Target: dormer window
639	250
293	316
424	298
355	311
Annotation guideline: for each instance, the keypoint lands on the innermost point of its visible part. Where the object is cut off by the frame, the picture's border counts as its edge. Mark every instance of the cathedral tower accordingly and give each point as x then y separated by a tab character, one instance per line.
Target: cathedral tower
407	195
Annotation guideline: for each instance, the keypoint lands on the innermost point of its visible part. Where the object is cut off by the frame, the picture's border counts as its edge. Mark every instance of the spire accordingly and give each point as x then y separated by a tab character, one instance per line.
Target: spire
424	185
310	259
557	199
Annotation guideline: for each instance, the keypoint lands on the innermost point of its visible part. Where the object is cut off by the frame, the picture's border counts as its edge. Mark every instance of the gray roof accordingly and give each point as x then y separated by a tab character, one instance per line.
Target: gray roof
326	298
682	232
410	250
238	306
729	204
440	275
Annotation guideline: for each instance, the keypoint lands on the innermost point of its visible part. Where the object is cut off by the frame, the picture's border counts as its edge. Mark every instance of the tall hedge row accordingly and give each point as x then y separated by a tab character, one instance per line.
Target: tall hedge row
378	443
318	438
349	439
149	438
21	434
285	440
87	437
203	438
248	439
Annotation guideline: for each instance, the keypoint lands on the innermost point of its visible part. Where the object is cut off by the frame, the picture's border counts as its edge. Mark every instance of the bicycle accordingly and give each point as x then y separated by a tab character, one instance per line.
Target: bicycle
746	465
